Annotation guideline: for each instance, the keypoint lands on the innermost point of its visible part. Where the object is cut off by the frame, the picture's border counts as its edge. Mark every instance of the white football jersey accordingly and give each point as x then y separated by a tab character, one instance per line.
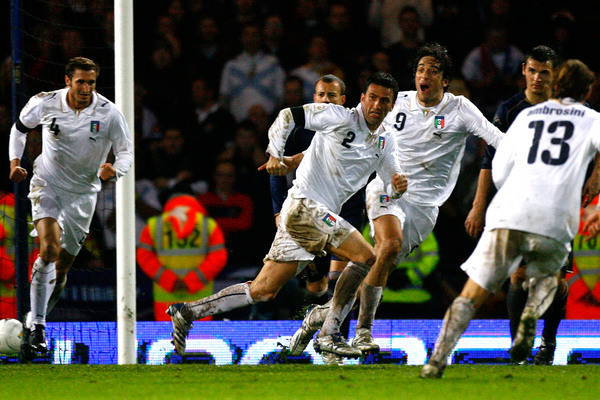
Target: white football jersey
539	169
342	154
431	142
75	144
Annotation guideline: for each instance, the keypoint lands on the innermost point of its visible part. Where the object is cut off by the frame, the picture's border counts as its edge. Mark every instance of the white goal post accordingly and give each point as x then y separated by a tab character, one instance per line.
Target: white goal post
125	191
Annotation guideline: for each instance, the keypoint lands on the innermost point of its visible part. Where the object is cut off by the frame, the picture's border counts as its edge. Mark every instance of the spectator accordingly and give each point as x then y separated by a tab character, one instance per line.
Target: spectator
383	15
233	211
247	155
147	129
318	64
251	77
340	30
206	53
304	22
262	121
293	92
182	250
404	51
169	162
276	42
212	127
381	62
492	69
564	36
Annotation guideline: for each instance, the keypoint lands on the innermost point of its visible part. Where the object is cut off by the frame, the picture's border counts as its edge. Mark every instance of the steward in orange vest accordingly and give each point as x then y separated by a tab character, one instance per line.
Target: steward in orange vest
584	283
182	250
8	291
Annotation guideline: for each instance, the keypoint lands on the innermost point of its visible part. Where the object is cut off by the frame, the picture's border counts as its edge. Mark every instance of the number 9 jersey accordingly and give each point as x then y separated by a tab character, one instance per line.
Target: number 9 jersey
539	169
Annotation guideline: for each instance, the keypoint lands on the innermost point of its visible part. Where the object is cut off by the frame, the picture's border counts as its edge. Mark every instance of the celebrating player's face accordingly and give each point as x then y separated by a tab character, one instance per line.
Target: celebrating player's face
430	82
329	93
81	86
538	77
376	103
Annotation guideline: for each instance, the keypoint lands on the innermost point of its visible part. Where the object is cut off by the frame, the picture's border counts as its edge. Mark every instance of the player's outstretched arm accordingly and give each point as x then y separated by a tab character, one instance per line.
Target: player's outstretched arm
290	163
592	184
476	218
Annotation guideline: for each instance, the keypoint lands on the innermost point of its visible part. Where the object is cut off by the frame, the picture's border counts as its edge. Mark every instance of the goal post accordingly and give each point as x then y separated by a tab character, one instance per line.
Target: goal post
125	194
101	285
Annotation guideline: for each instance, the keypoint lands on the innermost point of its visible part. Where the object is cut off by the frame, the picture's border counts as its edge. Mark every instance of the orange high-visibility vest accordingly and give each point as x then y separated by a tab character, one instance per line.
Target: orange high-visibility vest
8	291
194	259
584	283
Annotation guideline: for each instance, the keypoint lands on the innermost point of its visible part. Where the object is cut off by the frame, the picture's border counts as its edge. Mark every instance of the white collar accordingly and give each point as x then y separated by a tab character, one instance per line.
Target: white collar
362	120
414	104
88	110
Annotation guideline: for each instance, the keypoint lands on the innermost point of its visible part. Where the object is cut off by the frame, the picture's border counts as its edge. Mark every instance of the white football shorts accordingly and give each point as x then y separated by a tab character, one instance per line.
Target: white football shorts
305	228
73	211
417	221
500	251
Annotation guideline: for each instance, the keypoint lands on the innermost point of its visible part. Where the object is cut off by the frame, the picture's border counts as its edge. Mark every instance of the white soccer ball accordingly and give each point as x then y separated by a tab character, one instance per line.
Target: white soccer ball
11	332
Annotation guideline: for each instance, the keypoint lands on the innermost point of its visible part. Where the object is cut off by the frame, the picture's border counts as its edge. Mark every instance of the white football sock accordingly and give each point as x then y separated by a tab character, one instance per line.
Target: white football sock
230	298
61	283
43	280
370	296
456	320
344	296
541	294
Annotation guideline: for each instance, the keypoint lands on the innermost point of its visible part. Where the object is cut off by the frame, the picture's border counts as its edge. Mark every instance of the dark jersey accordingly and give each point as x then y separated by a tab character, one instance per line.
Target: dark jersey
504	117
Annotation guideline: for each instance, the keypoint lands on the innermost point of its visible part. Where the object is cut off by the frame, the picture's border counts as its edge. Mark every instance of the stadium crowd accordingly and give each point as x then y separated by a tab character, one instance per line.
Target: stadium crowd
211	76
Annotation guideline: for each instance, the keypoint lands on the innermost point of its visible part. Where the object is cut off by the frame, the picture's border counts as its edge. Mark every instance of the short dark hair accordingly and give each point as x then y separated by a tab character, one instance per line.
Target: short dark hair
329	78
542	54
440	54
383	79
573	79
81	63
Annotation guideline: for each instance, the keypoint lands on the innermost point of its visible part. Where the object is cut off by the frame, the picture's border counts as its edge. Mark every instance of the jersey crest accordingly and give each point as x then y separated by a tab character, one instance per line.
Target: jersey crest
95	126
384	198
329	220
439	122
381	142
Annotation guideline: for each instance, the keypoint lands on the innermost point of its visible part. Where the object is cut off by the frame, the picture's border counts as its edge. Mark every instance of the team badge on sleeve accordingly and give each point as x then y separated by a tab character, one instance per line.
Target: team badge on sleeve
95	126
329	220
381	142
438	122
384	198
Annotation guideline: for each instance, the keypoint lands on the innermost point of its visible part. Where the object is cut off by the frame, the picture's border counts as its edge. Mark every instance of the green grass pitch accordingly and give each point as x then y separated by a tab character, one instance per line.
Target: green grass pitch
371	382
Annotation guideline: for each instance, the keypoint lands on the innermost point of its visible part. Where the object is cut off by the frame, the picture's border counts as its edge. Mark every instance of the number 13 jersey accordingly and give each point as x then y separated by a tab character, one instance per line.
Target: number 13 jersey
539	169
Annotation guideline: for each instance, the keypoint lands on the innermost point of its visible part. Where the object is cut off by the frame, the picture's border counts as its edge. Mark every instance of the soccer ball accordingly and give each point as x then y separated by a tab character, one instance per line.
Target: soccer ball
11	332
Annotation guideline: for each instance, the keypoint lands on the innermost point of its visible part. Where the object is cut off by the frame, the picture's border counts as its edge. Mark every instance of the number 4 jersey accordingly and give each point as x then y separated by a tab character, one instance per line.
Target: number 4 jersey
76	143
540	166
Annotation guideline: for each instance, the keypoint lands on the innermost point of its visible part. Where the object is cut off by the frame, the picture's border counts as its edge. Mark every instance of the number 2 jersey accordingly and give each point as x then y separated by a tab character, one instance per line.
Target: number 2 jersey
341	156
76	143
539	169
431	142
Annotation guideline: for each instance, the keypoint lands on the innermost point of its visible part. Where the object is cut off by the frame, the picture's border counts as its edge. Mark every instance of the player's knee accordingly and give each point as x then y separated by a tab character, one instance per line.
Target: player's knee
389	249
370	260
261	293
49	252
